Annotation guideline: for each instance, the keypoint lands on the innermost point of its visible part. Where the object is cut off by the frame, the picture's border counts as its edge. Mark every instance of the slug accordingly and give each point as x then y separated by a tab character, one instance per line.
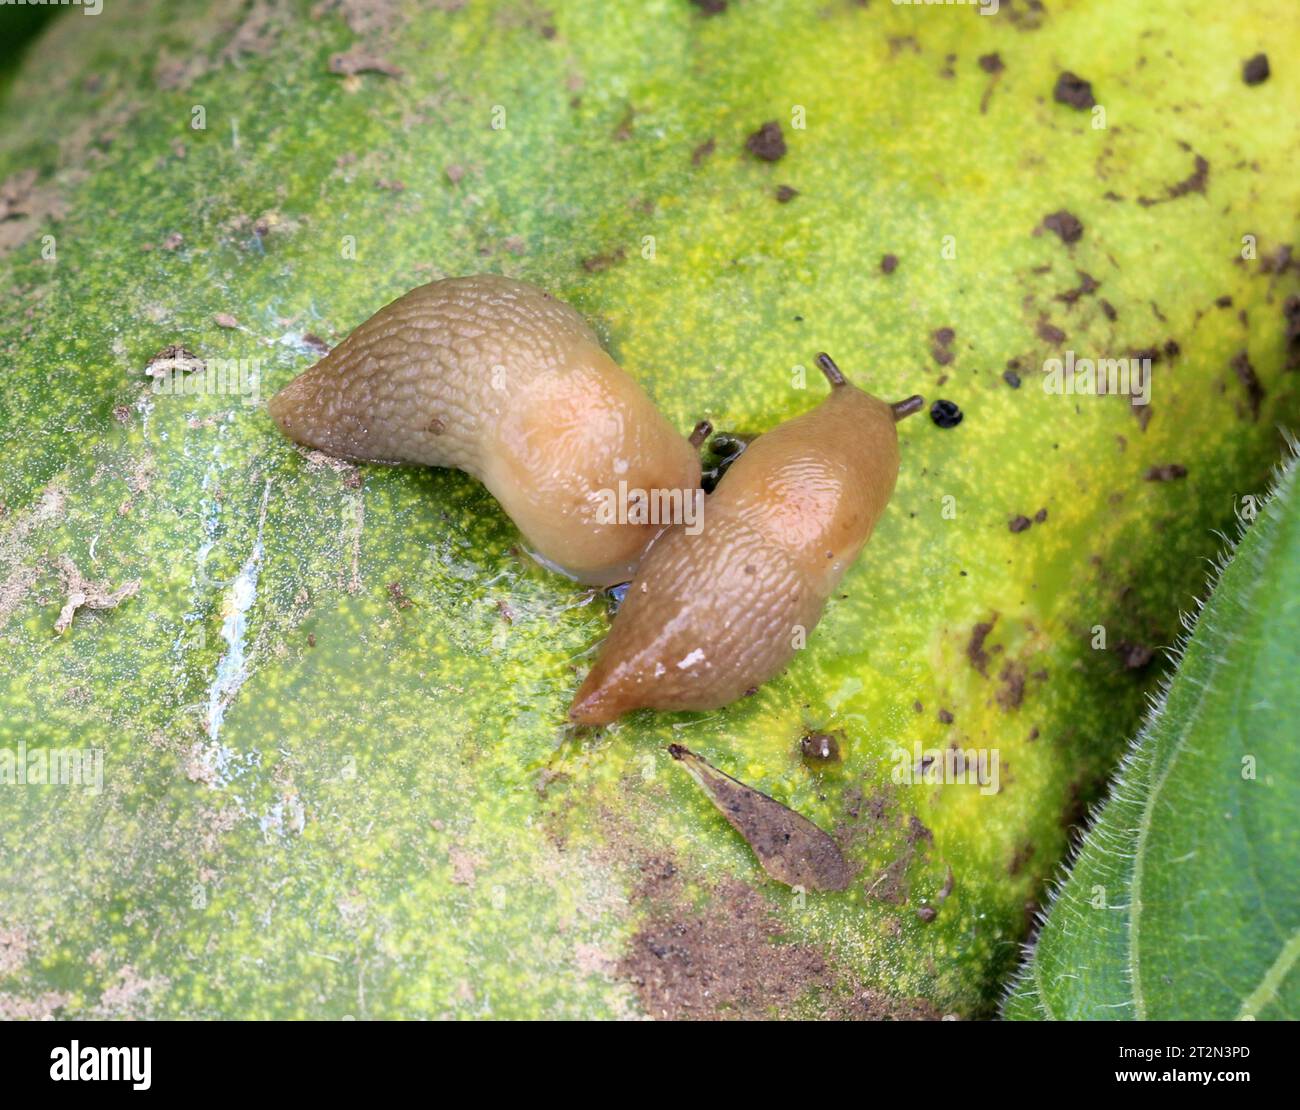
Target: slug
712	616
499	379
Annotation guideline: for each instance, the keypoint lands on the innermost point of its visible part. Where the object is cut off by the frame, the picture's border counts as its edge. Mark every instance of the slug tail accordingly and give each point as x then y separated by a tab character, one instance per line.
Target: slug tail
598	701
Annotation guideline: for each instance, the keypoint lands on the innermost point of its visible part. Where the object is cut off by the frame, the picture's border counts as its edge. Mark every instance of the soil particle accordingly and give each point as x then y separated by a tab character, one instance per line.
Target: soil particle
1067	225
1254	71
173	358
917	832
767	143
1019	523
352	62
84	594
702	152
979	658
941	350
710	7
1049	332
1291	314
397	595
1012	693
790	848
1086	287
1073	90
820	747
1021	856
225	320
1193	183
889	263
596	263
1134	656
786	193
1011	378
1109	310
23	207
945	414
1040	516
926	913
946	718
1246	375
991	63
1165	473
727	961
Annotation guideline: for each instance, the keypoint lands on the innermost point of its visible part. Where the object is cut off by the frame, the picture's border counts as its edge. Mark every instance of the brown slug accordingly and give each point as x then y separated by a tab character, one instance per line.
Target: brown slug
499	379
709	617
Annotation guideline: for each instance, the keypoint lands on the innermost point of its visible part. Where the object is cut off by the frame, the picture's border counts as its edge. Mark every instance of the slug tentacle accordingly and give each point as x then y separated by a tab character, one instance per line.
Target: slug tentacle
711	616
499	379
907	406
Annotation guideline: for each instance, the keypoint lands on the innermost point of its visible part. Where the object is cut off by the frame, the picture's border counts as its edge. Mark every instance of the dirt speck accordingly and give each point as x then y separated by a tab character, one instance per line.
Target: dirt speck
1241	366
80	593
1195	182
1166	472
1019	523
786	193
819	748
1012	692
1255	71
352	62
596	263
975	653
1134	656
1073	90
703	152
727	961
1049	332
1067	225
889	263
767	143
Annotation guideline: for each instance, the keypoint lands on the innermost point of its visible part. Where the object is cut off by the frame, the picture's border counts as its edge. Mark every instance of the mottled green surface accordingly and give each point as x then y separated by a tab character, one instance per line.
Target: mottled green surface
1183	903
389	819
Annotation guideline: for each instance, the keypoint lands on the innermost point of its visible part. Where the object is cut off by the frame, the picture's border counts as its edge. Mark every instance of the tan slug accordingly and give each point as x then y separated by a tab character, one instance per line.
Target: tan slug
499	379
712	616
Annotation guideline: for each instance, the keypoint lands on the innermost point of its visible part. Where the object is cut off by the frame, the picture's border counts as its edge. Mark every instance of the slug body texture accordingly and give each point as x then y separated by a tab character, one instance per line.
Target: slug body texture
499	379
710	617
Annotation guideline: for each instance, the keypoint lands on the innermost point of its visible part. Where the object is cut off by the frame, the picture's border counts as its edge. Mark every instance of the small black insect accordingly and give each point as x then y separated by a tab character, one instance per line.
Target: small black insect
946	414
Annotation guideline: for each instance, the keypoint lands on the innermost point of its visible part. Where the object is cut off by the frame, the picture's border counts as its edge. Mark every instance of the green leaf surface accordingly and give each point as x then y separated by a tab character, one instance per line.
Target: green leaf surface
337	779
1183	901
